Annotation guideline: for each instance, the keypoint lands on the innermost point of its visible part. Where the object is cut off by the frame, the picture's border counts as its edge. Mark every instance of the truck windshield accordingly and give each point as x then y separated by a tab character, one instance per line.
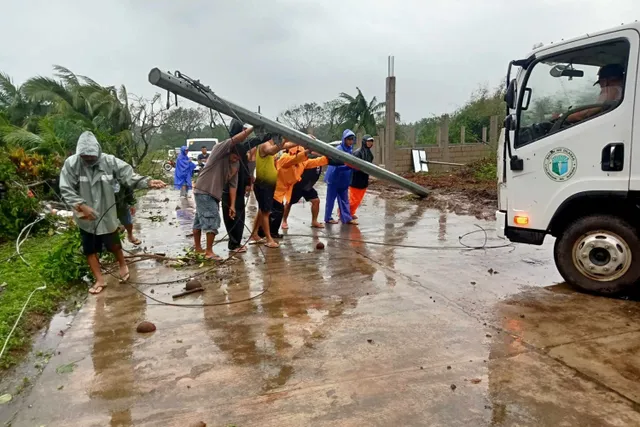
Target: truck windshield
570	87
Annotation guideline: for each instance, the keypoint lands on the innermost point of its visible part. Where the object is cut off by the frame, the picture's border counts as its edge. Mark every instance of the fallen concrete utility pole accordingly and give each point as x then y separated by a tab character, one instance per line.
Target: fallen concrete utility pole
202	95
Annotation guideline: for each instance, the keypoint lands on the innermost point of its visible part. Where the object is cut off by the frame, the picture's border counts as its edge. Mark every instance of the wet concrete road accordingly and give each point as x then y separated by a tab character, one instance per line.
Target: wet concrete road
355	335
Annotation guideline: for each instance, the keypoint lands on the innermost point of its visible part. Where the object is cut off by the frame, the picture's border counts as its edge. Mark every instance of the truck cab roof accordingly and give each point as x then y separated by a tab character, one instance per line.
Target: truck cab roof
542	50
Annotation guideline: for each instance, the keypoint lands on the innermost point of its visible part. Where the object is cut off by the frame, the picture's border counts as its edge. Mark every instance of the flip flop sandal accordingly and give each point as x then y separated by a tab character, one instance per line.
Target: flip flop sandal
239	250
332	221
125	278
136	241
285	226
257	242
317	226
94	289
273	245
213	258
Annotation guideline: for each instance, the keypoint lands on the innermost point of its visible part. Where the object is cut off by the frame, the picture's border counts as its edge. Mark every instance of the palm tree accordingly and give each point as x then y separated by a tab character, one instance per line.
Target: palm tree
18	108
357	114
48	114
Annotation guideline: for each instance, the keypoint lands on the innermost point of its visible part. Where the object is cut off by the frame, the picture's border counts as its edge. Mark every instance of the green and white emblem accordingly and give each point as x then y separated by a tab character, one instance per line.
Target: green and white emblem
560	164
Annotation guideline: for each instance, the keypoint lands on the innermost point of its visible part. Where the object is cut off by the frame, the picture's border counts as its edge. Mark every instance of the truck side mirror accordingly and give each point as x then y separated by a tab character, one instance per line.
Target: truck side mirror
510	95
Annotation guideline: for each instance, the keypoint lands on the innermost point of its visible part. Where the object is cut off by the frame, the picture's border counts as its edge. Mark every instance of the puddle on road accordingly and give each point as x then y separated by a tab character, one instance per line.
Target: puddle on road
284	337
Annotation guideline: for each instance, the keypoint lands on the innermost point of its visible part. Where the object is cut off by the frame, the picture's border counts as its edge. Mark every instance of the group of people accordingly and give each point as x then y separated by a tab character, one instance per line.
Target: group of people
99	188
284	174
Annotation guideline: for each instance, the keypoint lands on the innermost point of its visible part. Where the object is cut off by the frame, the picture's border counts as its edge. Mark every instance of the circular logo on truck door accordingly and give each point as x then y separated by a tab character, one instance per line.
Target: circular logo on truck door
560	164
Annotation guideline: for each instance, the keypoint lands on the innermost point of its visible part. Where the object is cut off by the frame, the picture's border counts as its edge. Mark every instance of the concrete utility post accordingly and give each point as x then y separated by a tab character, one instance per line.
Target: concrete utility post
197	92
390	111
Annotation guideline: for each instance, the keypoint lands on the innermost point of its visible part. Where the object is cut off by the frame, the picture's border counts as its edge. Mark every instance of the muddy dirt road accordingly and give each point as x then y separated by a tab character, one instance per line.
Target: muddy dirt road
358	334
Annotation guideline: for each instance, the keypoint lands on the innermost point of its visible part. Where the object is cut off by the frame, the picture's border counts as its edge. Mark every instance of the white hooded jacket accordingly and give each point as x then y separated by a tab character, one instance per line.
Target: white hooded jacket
93	185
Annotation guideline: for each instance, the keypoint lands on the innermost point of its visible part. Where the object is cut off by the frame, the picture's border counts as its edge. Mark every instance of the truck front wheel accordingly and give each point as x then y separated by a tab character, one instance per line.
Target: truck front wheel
599	254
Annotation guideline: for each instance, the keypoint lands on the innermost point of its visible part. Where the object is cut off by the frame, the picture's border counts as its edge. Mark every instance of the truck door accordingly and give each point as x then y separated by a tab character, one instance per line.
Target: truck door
574	125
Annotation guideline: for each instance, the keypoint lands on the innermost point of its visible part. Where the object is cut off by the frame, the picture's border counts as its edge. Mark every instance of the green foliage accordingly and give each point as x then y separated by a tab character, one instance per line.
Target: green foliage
64	262
473	115
20	280
485	169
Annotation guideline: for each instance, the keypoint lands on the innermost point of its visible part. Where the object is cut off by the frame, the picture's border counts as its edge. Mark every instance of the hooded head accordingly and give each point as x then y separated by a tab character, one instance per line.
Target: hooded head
88	148
348	138
367	141
184	150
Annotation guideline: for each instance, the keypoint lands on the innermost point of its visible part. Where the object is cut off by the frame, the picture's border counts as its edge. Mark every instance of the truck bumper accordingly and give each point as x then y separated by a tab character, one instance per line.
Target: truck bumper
501	223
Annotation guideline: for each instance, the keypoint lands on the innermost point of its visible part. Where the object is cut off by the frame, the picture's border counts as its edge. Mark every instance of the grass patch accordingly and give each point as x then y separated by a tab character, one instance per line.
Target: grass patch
56	261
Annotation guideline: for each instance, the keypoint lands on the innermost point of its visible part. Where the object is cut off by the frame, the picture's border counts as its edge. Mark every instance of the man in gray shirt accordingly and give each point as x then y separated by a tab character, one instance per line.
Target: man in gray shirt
221	168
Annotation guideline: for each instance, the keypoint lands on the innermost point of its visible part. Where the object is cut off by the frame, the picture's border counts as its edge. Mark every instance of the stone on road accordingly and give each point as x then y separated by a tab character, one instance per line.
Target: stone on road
359	334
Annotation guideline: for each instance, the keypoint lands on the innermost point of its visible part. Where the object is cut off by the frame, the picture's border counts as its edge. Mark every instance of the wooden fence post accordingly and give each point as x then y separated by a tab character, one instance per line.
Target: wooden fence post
462	134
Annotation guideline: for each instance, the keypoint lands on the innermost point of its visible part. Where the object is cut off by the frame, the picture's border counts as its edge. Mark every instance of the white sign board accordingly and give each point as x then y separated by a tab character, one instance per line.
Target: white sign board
419	161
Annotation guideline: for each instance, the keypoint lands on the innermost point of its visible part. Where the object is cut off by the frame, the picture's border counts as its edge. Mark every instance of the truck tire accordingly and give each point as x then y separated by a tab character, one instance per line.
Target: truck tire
599	254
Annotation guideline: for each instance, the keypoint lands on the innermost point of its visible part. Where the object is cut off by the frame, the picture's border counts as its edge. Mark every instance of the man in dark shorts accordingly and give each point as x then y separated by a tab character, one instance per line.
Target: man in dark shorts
304	189
87	185
221	169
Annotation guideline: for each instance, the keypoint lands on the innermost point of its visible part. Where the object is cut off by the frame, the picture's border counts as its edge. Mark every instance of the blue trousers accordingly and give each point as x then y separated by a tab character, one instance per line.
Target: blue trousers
342	194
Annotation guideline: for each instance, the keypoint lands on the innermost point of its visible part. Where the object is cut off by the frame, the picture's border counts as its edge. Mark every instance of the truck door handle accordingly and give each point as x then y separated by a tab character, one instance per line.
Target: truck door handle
613	157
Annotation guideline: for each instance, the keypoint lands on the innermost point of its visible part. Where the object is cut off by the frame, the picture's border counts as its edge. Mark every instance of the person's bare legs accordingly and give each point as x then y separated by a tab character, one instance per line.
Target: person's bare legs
209	252
264	220
285	216
124	268
256	224
94	265
315	210
130	237
197	241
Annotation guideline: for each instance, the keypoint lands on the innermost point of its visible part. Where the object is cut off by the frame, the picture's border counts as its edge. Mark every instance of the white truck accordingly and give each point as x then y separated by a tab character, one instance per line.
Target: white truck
569	157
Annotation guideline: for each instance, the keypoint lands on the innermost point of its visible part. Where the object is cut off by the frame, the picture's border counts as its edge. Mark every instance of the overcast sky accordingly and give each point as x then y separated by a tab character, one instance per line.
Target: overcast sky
280	53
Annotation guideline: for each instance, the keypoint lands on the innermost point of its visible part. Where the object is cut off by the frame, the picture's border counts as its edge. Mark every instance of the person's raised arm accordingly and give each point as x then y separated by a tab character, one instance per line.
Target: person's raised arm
242	135
126	174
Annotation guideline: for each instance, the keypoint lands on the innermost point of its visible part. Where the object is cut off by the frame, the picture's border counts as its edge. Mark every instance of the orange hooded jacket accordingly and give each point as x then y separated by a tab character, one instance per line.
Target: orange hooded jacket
290	167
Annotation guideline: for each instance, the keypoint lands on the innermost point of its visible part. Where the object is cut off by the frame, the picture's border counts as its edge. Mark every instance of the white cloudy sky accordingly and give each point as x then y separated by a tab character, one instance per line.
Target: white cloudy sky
277	53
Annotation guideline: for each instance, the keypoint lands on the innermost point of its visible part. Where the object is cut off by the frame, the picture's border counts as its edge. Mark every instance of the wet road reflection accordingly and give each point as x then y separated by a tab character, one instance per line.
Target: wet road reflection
355	334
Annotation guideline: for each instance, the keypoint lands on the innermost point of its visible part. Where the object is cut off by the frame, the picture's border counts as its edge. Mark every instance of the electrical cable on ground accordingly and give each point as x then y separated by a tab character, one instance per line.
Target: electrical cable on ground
15	325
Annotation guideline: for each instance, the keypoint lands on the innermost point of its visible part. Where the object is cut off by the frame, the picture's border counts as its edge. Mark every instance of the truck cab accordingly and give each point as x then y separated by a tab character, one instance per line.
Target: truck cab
569	157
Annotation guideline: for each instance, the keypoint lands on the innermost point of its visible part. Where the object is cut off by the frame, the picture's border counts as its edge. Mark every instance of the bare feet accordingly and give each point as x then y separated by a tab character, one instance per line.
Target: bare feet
317	224
256	240
199	250
134	240
285	226
97	288
210	255
124	274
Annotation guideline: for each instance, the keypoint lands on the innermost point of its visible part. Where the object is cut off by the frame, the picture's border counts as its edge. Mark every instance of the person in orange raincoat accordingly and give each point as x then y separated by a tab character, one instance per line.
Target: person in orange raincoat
359	179
291	166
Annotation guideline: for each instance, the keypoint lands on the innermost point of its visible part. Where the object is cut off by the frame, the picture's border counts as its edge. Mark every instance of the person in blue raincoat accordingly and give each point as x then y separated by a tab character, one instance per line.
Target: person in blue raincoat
184	172
338	179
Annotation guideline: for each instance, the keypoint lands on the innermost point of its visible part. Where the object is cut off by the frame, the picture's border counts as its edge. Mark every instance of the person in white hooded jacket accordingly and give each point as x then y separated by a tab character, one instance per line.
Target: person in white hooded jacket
87	183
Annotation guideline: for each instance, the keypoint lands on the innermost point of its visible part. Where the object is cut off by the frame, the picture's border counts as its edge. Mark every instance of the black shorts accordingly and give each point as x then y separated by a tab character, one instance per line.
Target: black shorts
95	243
264	196
298	194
